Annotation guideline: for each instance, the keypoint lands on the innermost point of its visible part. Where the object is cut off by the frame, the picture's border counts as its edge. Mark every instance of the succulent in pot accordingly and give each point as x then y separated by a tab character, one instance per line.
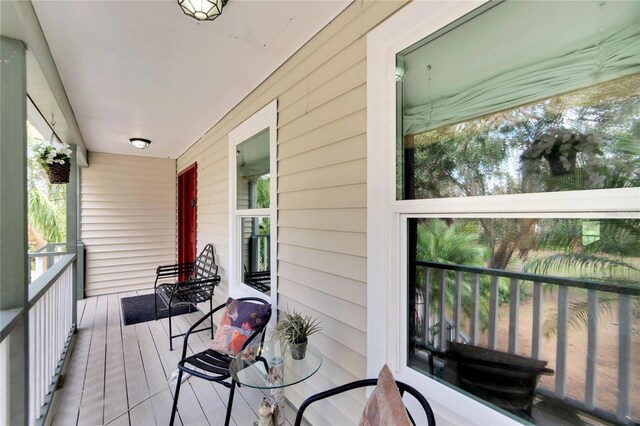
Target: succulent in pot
294	330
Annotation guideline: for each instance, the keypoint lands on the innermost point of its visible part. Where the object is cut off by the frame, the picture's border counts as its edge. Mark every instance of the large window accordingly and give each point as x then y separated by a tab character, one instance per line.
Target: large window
478	122
515	205
252	205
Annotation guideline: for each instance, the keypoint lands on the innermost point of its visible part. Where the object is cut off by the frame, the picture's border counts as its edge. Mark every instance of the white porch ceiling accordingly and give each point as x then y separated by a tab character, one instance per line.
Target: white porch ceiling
144	69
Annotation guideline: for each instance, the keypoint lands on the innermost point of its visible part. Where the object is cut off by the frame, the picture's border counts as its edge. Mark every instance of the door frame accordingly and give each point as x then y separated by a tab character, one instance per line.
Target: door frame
184	256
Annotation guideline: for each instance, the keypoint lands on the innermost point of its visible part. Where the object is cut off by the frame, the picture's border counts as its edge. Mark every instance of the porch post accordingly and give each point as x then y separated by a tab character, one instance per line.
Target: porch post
72	230
13	222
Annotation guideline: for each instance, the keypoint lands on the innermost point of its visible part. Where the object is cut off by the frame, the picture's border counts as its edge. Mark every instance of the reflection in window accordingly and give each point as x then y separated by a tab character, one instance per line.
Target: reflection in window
523	287
524	98
500	122
252	157
256	252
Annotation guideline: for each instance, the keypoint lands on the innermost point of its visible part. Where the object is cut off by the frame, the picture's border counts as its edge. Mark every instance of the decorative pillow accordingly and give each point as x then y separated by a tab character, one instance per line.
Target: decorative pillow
239	320
385	406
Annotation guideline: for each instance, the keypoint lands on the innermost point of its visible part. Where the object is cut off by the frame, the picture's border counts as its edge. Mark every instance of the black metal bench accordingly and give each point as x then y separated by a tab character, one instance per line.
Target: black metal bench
192	283
503	379
260	280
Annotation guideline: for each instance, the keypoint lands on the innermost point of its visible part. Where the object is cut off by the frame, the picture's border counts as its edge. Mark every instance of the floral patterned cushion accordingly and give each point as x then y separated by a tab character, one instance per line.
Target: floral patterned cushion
239	320
385	406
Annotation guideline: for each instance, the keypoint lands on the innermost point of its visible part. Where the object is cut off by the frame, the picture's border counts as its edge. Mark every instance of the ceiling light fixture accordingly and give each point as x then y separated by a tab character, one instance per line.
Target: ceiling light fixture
202	10
140	143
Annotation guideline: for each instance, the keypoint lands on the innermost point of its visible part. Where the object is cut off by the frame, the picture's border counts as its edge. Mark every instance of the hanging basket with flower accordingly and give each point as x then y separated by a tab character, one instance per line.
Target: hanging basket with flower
560	148
55	157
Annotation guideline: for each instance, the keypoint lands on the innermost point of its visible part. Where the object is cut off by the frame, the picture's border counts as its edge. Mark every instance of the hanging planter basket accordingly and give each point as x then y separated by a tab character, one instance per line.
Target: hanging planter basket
59	173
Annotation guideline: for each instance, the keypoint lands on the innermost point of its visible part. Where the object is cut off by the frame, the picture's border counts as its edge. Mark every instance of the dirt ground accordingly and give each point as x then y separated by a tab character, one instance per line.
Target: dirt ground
607	371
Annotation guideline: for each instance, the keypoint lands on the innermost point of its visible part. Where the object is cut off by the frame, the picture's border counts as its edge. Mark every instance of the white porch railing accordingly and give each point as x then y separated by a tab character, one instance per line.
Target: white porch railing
50	311
44	258
447	305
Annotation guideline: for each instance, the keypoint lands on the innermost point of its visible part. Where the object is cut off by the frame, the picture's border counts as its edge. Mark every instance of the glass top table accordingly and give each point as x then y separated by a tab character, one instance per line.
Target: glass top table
274	367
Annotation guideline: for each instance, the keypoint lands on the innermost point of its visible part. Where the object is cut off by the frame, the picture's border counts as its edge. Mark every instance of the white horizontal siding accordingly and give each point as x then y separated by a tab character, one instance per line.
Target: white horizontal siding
128	219
321	93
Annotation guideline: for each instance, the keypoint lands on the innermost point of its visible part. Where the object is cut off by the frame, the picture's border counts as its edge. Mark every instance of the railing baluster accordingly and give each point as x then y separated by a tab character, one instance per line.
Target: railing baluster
454	317
536	331
592	351
443	304
561	344
493	313
514	313
624	357
475	308
458	305
39	351
32	378
425	298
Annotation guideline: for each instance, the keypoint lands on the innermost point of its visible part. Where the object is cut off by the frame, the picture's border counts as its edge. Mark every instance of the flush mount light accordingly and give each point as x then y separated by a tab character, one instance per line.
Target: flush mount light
202	10
140	143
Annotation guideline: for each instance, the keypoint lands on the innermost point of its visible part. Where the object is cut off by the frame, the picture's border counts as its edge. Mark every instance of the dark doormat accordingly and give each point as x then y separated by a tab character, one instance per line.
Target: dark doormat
138	309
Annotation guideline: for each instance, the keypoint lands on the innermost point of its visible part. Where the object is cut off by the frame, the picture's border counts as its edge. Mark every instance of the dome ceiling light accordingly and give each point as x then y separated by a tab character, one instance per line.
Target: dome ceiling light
202	10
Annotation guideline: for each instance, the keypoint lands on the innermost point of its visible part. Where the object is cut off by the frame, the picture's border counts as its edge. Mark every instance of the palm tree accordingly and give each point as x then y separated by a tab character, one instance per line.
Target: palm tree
46	202
453	243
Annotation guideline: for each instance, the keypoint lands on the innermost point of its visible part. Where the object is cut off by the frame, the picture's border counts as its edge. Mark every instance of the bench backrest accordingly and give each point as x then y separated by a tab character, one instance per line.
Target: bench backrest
204	267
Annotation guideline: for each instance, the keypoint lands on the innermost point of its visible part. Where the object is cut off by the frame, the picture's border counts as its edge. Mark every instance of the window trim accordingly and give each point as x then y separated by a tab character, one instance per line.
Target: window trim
387	217
266	117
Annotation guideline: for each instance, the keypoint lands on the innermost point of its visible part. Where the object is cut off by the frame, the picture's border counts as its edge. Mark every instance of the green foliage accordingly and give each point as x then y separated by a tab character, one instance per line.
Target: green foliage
46	202
46	217
296	328
50	152
263	191
579	314
456	243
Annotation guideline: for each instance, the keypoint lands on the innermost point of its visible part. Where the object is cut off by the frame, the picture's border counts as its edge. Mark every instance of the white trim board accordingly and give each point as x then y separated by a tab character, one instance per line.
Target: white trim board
384	308
267	117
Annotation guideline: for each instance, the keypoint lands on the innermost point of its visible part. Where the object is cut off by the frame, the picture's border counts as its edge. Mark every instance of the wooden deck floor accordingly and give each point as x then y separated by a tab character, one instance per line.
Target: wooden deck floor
113	367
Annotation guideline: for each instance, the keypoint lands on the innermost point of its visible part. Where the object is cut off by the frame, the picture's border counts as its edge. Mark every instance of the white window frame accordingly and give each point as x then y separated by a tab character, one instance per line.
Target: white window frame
265	118
387	217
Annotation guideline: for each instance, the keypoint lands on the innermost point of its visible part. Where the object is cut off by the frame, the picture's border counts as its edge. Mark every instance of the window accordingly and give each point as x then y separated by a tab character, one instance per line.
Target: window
512	195
253	206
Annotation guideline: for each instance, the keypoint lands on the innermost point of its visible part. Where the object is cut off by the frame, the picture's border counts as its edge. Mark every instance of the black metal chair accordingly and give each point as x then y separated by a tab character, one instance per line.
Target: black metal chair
194	283
402	387
211	365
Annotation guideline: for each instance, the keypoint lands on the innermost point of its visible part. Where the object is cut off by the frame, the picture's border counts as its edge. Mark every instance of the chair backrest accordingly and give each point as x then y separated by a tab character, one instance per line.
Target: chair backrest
205	266
402	387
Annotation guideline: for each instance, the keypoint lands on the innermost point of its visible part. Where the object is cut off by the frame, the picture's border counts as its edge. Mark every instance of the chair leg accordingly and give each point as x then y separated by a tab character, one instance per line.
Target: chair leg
211	318
175	399
155	306
230	403
170	332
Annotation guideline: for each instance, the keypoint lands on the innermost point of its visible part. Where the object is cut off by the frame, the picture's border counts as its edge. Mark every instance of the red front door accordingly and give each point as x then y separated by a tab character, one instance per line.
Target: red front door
187	214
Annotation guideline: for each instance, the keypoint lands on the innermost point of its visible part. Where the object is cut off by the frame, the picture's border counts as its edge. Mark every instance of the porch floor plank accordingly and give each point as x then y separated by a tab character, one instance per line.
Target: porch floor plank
113	367
137	386
68	401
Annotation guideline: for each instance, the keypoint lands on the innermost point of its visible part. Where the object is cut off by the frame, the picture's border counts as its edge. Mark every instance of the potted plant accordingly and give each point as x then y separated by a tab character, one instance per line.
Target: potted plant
55	157
560	148
294	330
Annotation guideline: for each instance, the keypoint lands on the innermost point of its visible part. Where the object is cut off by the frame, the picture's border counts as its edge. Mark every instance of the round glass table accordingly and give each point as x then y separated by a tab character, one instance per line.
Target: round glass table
274	368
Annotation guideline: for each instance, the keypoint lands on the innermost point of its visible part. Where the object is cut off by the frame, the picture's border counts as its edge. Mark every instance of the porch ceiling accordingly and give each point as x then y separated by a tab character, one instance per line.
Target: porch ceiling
144	69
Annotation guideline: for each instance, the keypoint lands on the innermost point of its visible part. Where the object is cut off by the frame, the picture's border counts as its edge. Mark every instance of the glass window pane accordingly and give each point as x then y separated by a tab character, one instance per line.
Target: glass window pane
486	282
476	116
253	172
256	252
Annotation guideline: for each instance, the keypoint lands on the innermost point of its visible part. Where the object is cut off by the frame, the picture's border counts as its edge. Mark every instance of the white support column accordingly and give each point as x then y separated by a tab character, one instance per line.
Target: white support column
72	229
13	220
